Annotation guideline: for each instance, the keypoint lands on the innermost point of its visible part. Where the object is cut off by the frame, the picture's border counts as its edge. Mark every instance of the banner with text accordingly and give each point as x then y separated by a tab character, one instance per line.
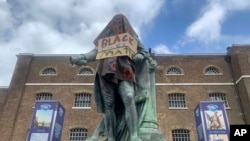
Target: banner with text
211	121
47	121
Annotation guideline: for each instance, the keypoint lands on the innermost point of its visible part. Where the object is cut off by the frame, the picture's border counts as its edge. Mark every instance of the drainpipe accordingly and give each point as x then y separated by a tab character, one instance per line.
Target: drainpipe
228	60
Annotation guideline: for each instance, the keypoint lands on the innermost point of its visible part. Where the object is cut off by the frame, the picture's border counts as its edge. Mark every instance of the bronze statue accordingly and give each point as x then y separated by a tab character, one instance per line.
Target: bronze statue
123	87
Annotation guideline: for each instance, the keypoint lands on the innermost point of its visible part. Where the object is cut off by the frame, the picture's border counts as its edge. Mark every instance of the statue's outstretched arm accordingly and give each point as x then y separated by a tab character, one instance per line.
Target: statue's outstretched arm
91	56
141	53
83	59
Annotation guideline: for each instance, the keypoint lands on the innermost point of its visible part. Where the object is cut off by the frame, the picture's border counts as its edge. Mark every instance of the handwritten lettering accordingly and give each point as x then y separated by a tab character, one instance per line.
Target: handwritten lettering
122	51
106	42
117	41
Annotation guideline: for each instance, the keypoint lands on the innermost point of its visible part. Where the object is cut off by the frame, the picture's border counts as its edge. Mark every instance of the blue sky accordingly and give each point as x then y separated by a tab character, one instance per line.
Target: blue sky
200	26
166	26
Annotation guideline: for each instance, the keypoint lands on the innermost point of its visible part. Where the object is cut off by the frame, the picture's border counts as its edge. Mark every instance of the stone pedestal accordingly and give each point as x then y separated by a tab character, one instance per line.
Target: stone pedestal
151	135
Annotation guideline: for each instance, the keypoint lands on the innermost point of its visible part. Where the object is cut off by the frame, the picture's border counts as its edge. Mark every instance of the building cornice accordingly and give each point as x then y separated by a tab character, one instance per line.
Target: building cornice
194	84
157	84
196	54
59	84
241	77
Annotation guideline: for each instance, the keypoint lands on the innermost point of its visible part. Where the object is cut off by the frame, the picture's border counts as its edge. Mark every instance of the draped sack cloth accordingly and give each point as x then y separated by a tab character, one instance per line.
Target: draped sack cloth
116	69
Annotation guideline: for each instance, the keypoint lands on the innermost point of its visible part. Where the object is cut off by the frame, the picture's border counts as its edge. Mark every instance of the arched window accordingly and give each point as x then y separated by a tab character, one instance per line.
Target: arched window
174	71
43	97
177	100
181	135
86	71
212	71
82	100
78	134
48	71
218	97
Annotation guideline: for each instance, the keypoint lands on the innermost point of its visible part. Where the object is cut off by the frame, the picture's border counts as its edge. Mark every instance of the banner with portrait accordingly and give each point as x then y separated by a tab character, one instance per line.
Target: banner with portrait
211	121
47	121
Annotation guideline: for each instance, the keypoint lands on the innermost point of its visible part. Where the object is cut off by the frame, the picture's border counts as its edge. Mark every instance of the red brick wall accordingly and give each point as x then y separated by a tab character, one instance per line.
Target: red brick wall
196	86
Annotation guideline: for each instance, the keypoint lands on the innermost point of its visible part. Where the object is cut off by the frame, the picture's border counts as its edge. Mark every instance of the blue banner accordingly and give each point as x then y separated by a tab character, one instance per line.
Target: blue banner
43	121
58	123
199	125
211	121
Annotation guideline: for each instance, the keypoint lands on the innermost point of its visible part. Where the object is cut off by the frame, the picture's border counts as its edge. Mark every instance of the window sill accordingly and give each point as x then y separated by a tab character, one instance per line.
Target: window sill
173	74
178	108
85	74
80	108
213	74
48	74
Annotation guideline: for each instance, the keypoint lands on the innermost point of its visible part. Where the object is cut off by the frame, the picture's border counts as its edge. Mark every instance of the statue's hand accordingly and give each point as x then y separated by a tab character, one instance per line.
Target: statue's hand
152	65
138	58
78	60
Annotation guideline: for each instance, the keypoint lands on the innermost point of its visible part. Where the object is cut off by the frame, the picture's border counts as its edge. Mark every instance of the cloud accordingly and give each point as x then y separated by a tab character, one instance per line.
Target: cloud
207	28
5	20
62	27
161	49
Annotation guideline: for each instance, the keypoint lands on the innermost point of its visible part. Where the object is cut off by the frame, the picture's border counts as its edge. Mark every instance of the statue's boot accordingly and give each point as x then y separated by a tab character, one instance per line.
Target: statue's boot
111	139
109	114
110	123
126	91
137	139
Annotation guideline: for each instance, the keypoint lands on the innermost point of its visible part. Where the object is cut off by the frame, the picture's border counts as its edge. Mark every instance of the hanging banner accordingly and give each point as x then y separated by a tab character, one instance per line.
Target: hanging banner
46	122
119	45
211	122
58	123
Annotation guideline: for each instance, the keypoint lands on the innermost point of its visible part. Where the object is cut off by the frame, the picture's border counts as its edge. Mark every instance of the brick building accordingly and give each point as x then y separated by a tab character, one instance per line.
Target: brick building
181	82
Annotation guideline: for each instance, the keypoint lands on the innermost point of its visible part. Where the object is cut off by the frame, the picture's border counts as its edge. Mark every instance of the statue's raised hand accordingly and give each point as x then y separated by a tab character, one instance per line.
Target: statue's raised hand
78	60
138	58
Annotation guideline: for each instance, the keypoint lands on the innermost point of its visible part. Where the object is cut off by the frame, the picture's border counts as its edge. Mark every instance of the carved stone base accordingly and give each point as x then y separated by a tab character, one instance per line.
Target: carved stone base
97	139
145	134
150	134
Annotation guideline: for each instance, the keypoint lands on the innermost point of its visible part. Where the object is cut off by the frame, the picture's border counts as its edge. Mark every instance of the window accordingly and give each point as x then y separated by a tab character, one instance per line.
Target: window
218	97
86	71
82	100
181	135
48	71
43	97
176	100
174	71
212	71
78	134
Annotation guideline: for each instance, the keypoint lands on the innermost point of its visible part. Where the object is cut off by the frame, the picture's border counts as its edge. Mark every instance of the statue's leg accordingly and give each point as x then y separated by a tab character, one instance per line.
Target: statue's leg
126	91
109	114
142	81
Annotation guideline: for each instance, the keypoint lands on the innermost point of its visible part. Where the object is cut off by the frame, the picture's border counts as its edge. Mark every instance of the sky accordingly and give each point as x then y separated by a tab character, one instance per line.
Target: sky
165	26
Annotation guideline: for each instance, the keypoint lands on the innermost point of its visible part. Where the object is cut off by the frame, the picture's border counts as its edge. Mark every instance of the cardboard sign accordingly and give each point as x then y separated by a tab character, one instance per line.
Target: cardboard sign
122	51
119	45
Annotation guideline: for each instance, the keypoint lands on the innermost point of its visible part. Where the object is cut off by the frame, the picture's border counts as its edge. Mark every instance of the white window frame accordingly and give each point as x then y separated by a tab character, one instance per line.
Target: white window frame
177	101
219	97
174	71
215	71
82	101
86	74
48	71
44	96
78	134
181	135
